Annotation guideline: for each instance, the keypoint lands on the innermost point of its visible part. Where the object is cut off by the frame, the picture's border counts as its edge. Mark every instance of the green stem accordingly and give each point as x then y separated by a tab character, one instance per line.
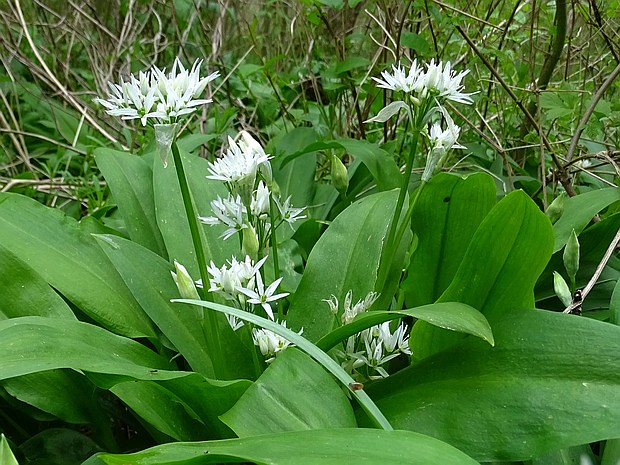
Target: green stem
391	245
405	223
212	338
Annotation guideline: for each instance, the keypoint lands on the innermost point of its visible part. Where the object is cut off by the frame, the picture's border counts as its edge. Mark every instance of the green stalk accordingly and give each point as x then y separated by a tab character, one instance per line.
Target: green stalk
391	245
212	337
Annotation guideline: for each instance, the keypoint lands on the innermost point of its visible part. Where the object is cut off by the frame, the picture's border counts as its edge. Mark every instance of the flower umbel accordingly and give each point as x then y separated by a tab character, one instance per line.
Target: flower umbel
157	97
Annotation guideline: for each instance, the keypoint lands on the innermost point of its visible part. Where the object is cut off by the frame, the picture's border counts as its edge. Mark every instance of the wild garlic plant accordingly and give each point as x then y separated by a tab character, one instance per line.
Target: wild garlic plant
365	354
423	92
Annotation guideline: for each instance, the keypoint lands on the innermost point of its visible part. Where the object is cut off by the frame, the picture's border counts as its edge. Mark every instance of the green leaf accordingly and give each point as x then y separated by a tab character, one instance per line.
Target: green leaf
63	393
34	344
296	179
6	456
313	447
153	290
499	270
351	63
346	257
579	210
293	394
549	383
69	260
452	316
25	292
58	446
161	409
416	42
130	179
380	163
446	215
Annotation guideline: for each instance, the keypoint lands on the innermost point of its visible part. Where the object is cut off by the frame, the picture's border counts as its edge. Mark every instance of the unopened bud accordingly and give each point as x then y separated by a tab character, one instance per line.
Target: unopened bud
571	256
556	208
164	136
250	243
184	282
561	289
340	177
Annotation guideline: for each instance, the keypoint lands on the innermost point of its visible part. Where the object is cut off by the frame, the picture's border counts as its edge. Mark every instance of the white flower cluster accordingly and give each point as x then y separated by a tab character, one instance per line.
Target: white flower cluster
157	96
241	282
270	343
426	91
364	354
438	81
246	172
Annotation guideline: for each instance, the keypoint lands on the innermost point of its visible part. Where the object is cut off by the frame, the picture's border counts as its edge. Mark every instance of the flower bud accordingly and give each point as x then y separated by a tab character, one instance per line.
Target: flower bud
250	244
561	289
571	256
556	208
184	282
164	136
340	177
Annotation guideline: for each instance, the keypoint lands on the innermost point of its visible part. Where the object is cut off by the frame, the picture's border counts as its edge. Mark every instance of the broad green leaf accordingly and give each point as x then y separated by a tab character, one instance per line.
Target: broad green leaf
346	257
506	255
293	394
6	455
611	453
130	179
172	220
70	261
577	455
161	409
63	393
579	211
379	162
446	215
191	142
148	277
453	316
153	289
25	292
58	446
549	383
209	399
312	447
296	179
34	344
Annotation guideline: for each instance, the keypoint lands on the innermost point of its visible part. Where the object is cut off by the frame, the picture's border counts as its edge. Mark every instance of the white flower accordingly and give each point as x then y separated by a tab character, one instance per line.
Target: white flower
234	322
270	343
227	211
239	164
288	212
262	296
443	140
159	96
260	201
442	82
350	312
394	342
400	80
